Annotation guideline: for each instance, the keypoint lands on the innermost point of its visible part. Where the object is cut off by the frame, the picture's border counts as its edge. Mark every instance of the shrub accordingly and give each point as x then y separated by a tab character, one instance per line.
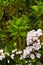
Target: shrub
17	17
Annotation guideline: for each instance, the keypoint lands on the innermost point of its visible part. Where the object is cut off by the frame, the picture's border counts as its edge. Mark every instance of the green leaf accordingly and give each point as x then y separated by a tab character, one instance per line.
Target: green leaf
1	14
19	21
38	63
15	33
35	8
21	28
23	34
41	10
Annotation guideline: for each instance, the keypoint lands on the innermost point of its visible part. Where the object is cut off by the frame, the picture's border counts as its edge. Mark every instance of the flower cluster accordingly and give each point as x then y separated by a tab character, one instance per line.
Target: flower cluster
2	56
33	45
14	52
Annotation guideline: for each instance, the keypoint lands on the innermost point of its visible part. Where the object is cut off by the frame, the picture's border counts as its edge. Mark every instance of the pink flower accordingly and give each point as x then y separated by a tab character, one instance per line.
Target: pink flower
36	46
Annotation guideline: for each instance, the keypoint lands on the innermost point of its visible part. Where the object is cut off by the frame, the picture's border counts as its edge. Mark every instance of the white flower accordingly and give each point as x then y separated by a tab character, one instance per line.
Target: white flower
1	51
18	52
29	42
29	49
39	32
32	56
12	56
38	55
6	53
13	51
33	43
25	61
30	64
41	43
21	57
36	46
34	38
29	37
29	61
34	34
32	31
8	61
24	54
38	41
2	56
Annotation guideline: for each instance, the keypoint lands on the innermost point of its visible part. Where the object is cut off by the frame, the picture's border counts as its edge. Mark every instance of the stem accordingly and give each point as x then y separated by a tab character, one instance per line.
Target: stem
23	42
19	43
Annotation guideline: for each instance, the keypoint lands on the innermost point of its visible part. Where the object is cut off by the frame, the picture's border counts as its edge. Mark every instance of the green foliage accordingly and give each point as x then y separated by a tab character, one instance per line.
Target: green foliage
17	17
18	28
38	63
1	14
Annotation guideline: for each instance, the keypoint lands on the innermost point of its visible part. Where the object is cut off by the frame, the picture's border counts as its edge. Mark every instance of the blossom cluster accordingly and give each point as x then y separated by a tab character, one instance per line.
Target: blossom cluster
3	54
33	45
